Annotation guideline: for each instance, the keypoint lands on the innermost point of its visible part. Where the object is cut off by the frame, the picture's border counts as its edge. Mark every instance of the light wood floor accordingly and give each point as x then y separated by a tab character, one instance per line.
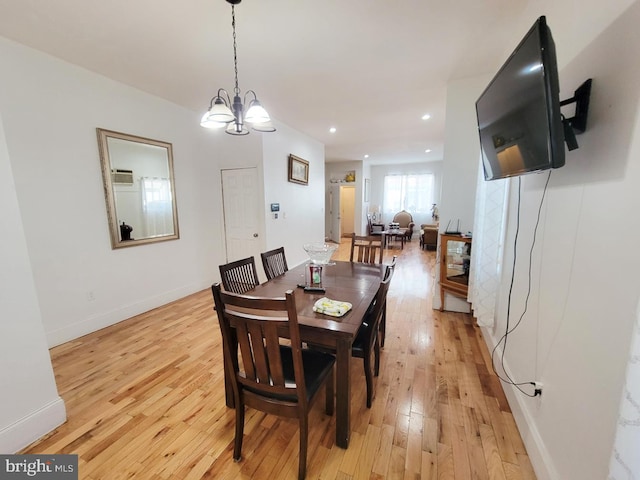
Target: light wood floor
145	400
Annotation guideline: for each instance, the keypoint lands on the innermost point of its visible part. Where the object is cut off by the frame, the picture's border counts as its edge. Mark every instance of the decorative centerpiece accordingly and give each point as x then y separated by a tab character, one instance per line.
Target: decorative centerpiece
319	256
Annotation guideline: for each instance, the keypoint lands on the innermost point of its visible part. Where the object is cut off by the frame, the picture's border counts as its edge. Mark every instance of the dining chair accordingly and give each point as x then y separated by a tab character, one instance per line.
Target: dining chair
367	249
239	276
274	262
367	340
383	321
276	379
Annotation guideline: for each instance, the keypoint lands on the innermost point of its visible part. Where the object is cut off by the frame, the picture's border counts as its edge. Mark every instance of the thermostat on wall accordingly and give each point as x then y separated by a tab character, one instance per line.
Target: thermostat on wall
275	207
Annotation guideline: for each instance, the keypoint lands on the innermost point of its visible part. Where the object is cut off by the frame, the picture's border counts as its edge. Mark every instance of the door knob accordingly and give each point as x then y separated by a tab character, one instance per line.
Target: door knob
255	235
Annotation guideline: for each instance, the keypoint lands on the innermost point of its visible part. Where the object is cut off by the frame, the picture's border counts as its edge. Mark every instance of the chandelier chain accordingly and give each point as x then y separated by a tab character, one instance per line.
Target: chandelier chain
235	54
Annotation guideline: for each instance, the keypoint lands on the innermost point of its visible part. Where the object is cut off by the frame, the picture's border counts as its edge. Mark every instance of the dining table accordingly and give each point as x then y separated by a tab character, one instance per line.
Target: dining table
355	283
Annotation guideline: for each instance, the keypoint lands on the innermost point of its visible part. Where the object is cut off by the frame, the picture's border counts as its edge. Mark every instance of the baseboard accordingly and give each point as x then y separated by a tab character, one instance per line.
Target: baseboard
30	428
123	312
539	456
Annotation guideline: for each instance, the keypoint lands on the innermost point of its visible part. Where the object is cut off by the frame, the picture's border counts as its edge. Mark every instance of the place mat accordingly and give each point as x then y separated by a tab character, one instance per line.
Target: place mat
334	308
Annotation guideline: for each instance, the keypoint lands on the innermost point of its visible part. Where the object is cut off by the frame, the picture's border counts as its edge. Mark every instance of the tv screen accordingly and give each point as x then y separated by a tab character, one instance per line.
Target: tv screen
519	119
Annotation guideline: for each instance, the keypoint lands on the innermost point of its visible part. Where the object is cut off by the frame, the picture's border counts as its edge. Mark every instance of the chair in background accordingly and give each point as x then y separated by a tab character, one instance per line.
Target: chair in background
374	228
239	276
429	236
367	249
274	262
383	322
405	221
367	341
277	379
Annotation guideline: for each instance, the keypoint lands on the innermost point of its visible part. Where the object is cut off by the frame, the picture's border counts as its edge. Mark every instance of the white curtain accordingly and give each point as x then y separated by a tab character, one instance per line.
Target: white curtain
156	207
625	459
488	240
413	193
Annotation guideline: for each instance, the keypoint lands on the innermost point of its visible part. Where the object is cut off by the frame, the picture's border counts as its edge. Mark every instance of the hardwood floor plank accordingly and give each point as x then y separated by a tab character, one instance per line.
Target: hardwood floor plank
145	400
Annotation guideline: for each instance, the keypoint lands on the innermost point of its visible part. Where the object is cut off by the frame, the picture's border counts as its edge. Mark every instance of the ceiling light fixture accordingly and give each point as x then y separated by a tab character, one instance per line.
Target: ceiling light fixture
426	116
220	115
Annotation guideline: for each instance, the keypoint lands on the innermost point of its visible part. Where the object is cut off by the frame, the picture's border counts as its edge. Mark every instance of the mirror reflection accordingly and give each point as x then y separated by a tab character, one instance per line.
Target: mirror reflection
458	261
139	188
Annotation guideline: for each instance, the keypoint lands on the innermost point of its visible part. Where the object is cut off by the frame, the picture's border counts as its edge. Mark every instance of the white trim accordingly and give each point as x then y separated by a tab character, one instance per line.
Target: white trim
30	428
540	458
123	312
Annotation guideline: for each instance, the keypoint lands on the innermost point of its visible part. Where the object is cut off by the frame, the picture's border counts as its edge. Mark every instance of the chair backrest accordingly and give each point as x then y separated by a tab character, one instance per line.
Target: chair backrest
257	324
239	276
404	218
375	314
390	267
274	262
374	228
367	249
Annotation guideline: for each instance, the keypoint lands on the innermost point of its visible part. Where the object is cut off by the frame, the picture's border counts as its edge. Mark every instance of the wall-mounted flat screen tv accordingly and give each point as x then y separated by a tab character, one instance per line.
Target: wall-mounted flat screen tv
519	120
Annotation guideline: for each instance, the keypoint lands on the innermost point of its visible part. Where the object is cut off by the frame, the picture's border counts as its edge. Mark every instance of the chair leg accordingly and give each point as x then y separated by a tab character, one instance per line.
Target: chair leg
368	377
376	358
383	326
304	433
237	444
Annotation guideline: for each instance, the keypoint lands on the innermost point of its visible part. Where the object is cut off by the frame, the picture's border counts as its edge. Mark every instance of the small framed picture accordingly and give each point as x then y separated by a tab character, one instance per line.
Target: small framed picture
298	170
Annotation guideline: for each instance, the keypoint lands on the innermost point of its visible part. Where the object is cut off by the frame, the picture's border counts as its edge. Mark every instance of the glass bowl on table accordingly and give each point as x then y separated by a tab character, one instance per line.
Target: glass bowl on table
320	256
320	253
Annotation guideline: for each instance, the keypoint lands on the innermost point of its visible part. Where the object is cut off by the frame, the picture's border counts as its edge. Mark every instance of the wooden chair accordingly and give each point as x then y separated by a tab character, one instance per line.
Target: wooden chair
367	249
273	378
239	276
383	322
274	262
367	340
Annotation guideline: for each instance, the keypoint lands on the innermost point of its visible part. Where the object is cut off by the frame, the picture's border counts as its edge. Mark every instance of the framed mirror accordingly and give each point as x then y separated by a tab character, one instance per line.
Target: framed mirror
139	189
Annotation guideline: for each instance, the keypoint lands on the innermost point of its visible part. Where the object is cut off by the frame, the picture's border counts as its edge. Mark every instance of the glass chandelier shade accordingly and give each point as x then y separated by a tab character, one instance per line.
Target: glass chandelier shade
223	113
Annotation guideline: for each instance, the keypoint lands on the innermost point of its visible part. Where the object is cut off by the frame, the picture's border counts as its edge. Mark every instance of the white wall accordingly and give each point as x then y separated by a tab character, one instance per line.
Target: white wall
76	283
302	207
575	336
29	403
460	168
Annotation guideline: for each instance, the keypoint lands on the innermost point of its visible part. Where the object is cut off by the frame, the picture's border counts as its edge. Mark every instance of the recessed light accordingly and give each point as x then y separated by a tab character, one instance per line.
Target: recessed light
426	116
366	155
332	130
428	150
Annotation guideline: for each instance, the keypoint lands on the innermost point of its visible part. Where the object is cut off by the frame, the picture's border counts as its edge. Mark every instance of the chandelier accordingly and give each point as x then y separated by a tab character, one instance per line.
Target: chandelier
223	113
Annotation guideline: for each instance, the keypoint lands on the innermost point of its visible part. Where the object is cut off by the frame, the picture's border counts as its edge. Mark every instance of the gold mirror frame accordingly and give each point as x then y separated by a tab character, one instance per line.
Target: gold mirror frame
139	189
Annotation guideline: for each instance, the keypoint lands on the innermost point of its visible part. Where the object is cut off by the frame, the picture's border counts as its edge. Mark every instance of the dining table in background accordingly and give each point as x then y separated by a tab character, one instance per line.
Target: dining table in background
356	283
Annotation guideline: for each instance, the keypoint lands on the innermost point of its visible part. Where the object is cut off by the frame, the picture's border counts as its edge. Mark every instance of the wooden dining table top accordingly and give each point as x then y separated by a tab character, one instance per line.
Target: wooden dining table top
356	283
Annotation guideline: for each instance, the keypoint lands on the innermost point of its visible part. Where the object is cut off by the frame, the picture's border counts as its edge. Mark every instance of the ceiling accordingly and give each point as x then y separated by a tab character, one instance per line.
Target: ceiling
370	68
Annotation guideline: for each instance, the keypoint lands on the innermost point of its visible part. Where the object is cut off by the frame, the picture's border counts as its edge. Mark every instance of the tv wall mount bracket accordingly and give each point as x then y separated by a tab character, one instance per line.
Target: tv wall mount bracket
577	123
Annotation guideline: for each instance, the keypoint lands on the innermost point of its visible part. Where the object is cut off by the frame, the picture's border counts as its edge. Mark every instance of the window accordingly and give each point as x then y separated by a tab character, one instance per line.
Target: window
413	193
157	207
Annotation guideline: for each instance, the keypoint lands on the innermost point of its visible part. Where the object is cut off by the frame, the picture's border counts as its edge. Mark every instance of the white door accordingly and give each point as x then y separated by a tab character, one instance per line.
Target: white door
334	213
241	207
347	210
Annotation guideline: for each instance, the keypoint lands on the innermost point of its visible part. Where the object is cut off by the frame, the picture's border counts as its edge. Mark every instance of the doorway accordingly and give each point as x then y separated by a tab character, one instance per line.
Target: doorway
347	210
341	211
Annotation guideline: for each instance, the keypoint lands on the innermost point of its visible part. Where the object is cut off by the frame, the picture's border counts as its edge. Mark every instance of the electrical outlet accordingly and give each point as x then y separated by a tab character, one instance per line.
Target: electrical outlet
91	296
537	389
